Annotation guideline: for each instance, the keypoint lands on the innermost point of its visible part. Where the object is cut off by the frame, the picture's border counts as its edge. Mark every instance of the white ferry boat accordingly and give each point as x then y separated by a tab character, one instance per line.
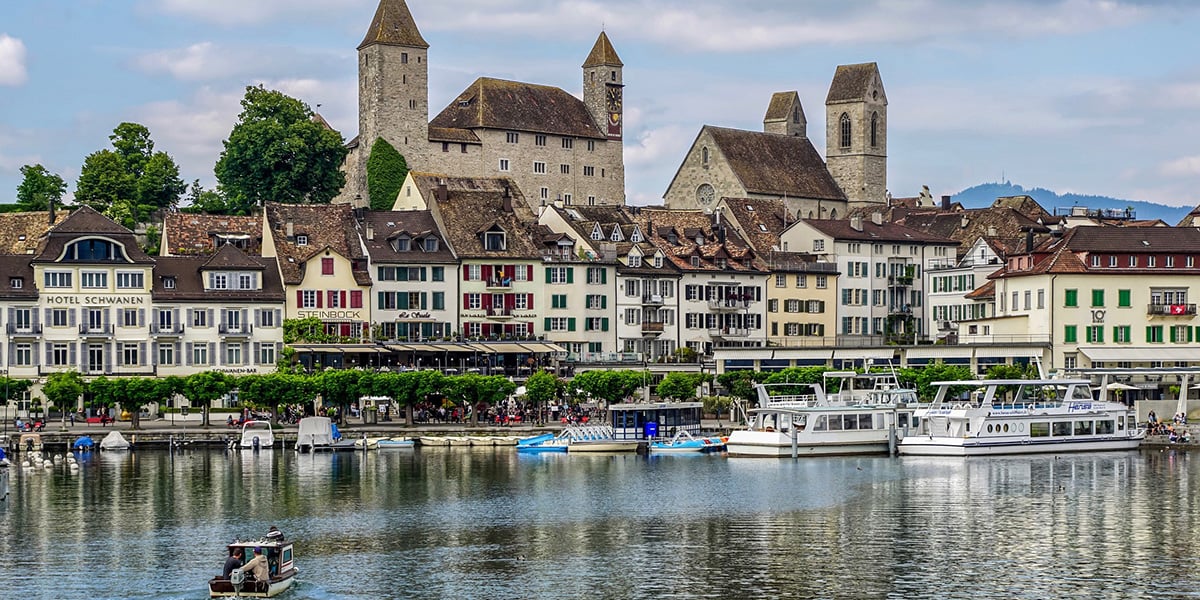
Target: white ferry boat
1021	416
866	415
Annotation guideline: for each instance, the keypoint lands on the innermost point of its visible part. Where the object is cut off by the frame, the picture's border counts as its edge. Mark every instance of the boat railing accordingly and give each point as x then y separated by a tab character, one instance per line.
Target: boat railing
588	433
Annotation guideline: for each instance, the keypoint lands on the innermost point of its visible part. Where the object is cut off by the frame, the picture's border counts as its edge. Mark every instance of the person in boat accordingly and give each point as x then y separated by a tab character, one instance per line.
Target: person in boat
274	534
257	566
233	562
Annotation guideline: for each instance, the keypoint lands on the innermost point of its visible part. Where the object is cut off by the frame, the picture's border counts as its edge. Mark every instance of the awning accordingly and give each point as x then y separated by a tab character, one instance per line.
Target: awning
809	354
364	349
1143	354
311	348
1002	352
506	348
403	348
864	353
938	352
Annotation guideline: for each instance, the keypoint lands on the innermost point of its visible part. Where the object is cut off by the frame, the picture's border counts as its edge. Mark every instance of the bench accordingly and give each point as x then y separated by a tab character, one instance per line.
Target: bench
99	420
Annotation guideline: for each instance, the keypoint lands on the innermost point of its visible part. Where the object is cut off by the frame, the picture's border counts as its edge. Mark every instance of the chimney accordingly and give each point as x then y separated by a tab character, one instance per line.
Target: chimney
1029	241
441	194
721	235
991	231
856	223
507	199
289	230
965	221
370	232
877	218
945	202
649	228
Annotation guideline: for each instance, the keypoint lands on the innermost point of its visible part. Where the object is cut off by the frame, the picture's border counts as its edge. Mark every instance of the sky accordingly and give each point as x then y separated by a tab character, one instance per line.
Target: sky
1083	96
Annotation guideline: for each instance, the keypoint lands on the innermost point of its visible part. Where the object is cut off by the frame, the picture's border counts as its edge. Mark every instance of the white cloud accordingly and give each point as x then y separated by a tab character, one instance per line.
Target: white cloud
12	61
196	62
1187	166
247	12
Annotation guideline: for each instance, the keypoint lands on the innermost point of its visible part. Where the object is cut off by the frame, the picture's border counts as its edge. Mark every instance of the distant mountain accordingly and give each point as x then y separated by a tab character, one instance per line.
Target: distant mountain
983	195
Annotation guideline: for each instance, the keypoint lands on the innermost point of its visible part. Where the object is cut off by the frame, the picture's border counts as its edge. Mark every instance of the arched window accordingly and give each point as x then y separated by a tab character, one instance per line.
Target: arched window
845	130
833	214
704	155
874	129
796	115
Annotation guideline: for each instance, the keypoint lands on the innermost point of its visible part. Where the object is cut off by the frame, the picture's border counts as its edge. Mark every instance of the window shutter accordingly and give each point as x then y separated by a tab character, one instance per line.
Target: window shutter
258	317
529	303
212	350
74	354
141	317
528	272
221	356
71	317
110	353
33	317
299	300
381	302
343	303
278	318
486	272
570	274
224	319
547	324
466	273
49	354
466	301
548	274
187	355
1149	336
603	275
1173	340
604	324
142	354
332	297
49	319
603	302
245	318
424	300
571	324
319	303
257	358
402	301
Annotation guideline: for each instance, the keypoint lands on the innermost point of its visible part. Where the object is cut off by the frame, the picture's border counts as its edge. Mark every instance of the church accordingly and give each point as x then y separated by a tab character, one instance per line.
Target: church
780	162
556	147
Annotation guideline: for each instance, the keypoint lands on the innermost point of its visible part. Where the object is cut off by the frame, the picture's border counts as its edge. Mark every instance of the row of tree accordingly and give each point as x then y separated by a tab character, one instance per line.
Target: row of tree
278	151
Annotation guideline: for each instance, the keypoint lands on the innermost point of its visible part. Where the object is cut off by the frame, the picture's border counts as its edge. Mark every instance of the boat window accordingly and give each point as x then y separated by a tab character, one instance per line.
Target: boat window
902	420
989	429
866	421
835	422
916	422
1006	428
1104	427
822	424
1061	428
1039	429
1121	423
1083	428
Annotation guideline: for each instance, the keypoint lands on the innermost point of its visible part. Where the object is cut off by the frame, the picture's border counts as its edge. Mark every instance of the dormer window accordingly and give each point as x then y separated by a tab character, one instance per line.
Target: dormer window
636	236
16	283
673	239
597	234
699	239
494	240
616	235
635	260
722	263
403	244
658	261
168	283
302	240
695	261
94	251
431	244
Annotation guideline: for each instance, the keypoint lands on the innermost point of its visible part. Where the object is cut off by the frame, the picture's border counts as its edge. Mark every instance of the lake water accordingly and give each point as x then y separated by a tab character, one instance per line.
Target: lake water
489	523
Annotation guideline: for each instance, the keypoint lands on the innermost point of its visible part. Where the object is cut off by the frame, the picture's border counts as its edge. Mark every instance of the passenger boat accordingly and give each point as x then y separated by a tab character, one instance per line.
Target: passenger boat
685	443
867	414
596	438
1021	416
257	434
241	584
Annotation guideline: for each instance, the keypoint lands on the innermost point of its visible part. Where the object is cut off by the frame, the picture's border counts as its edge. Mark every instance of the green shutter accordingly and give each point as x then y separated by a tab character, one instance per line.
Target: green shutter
1099	334
603	301
1069	334
604	324
571	324
1072	298
381	301
1173	340
424	295
570	274
548	274
1098	298
401	274
1123	299
546	325
603	275
402	301
1149	333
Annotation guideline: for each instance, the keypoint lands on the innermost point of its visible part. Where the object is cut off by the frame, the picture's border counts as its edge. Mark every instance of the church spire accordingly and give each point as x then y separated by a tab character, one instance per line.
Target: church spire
393	25
603	54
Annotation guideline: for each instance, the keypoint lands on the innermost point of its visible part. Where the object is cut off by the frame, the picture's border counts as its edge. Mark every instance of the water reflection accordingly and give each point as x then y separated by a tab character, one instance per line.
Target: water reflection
488	523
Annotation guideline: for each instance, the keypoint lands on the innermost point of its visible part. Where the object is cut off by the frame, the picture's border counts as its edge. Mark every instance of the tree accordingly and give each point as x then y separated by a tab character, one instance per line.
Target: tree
609	386
740	384
939	371
680	386
61	389
205	387
130	181
386	170
39	188
278	153
342	387
12	389
477	392
271	390
212	202
140	391
542	387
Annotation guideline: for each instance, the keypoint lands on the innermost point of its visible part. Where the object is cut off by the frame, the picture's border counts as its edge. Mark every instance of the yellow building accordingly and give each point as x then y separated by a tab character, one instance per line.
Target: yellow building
801	301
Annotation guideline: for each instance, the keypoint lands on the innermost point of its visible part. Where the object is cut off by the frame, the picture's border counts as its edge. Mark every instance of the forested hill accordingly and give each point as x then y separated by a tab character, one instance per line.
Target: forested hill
984	194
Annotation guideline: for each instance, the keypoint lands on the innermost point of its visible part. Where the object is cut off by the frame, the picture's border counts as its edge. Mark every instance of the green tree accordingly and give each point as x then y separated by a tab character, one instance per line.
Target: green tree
477	392
716	405
39	188
386	170
205	387
278	153
139	392
341	388
130	181
542	387
310	330
271	390
740	384
610	386
939	371
62	389
804	375
212	202
681	386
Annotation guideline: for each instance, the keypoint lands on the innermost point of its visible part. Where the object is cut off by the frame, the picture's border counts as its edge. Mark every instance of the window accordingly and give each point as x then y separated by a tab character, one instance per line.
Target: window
845	127
558	275
200	354
520	301
818	245
1041	299
793	306
780	280
591	145
564	169
129	355
245	281
1094	334
1097	298
93	280
233	354
130	281
1154	334
58	317
16	283
558	301
302	240
512	137
1170	261
504	164
266	354
200	318
439	273
474	301
1072	298
539	167
439	301
568	143
1070	335
266	318
539	140
566	199
129	317
635	260
589	171
1028	297
327	266
1149	261
59	355
560	323
595	324
874	129
218	281
1122	334
493	240
58	279
1123	299
822	281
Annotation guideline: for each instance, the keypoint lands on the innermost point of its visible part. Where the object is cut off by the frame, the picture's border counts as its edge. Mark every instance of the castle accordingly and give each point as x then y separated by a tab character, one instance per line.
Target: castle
556	147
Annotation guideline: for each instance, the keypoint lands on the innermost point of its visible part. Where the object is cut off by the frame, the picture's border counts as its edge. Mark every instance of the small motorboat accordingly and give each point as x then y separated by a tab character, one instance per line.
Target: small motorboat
241	584
83	444
547	442
257	435
684	442
396	443
30	443
428	440
114	441
315	433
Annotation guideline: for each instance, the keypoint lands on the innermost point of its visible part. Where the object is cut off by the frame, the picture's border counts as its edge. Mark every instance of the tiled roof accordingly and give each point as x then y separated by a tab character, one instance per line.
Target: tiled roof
475	205
799	262
1025	205
761	221
18	267
773	164
1192	219
603	54
86	221
983	292
780	108
968	225
735	250
387	225
325	226
1069	254
850	82
230	257
189	281
393	25
456	136
193	233
887	232
510	105
20	232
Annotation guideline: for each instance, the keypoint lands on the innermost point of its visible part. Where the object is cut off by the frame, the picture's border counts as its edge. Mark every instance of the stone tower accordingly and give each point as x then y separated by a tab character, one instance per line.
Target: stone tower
393	89
603	88
785	115
856	133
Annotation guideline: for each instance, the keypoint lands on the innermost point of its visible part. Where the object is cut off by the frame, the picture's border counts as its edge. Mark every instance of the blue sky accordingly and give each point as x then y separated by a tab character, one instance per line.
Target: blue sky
1086	96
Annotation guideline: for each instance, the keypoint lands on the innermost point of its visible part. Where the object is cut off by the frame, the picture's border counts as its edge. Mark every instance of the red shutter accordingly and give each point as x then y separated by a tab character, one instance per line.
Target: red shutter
319	299
529	301
356	299
466	301
299	298
343	302
466	273
486	272
509	301
529	273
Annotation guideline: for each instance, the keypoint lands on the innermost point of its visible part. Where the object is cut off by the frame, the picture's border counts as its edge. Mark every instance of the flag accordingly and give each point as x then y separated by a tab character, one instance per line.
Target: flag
1179	309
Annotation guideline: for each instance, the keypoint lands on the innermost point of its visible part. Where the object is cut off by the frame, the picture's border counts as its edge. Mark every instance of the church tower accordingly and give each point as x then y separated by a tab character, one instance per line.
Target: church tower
604	97
393	89
856	133
785	115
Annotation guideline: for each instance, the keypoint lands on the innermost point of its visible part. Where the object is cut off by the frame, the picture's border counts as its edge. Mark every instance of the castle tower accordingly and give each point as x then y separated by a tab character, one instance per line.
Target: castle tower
856	133
785	115
604	97
393	89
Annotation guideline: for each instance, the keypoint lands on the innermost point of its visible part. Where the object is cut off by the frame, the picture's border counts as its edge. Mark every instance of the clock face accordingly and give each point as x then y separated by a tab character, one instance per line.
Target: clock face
613	99
705	194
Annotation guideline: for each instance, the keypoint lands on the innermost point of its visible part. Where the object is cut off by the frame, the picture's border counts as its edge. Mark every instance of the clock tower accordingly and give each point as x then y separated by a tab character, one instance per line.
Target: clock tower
604	87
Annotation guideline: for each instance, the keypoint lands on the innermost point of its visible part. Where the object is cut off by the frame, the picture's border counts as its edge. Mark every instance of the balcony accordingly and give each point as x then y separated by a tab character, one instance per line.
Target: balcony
652	300
498	284
172	329
901	311
235	330
728	332
95	330
900	280
501	314
605	357
728	304
652	328
15	329
1171	310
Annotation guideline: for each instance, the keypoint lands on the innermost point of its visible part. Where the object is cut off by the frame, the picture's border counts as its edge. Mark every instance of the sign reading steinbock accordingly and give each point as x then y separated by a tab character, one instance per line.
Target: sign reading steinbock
325	315
97	300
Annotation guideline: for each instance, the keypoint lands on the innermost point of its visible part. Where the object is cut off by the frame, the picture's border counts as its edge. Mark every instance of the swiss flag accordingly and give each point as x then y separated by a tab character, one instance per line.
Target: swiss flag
1179	309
